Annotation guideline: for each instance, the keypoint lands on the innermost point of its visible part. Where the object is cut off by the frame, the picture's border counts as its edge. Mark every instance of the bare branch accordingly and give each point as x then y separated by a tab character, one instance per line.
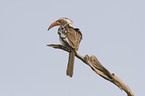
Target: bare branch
96	66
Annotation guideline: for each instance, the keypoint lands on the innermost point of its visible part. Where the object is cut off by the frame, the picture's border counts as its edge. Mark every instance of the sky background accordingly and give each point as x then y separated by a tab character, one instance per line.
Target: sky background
113	31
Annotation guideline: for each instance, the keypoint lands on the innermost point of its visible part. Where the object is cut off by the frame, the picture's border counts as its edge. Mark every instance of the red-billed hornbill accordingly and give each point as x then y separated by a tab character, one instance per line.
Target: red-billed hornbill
69	37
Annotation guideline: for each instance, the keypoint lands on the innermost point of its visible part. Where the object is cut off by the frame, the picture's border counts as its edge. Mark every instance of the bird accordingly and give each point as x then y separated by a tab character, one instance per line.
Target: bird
69	37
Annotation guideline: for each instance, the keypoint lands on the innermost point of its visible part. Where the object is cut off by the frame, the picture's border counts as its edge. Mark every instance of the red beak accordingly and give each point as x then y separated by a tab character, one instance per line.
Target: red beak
54	24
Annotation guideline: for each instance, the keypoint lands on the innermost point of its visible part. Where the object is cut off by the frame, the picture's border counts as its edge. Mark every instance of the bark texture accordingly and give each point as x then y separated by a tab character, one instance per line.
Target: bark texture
97	67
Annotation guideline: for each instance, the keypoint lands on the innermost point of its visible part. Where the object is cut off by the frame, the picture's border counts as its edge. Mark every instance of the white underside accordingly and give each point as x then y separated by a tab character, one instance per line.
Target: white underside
62	42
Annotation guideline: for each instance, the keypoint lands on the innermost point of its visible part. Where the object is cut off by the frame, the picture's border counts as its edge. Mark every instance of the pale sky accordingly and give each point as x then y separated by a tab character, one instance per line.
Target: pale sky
113	31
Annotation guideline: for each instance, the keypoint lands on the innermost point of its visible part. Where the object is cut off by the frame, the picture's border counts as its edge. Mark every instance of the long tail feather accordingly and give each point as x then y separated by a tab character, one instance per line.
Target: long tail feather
70	65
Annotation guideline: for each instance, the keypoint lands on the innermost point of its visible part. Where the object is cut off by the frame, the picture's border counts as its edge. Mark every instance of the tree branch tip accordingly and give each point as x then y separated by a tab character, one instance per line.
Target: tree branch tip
96	66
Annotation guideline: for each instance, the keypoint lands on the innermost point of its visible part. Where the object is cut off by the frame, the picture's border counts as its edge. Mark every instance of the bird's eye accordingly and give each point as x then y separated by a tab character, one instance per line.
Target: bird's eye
60	21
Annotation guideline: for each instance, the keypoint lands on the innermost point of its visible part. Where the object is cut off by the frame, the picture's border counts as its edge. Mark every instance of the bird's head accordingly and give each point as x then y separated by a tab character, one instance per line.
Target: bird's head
60	22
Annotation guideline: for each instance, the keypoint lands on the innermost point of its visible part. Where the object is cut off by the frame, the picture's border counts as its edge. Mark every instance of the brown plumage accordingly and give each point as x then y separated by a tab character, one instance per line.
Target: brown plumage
69	37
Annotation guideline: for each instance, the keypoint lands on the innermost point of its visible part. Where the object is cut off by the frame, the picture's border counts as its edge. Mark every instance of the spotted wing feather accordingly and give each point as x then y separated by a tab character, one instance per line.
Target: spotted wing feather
74	37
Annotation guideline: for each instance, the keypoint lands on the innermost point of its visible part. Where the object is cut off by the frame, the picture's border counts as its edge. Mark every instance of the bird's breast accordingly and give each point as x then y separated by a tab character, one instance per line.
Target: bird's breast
62	42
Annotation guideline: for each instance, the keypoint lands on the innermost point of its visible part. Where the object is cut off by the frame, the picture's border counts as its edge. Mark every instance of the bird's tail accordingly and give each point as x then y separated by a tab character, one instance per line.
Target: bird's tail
70	65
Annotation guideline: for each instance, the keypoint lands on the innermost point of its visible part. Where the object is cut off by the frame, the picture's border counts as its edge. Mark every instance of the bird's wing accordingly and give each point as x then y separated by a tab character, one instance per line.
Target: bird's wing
74	37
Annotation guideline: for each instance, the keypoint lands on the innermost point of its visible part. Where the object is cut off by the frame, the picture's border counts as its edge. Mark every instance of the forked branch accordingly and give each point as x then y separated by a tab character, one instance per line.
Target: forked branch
96	66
